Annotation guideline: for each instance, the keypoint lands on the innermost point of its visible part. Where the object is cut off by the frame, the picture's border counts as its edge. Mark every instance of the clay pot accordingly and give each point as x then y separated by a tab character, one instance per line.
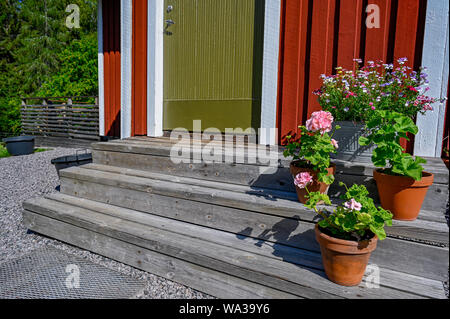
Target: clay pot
345	261
315	186
402	195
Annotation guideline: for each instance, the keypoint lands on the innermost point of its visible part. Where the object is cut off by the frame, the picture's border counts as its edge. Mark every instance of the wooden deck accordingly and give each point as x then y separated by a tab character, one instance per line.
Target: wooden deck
227	229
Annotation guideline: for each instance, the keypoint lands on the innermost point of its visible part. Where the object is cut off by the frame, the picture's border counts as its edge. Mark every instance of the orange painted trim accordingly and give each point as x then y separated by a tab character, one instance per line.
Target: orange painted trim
111	66
139	69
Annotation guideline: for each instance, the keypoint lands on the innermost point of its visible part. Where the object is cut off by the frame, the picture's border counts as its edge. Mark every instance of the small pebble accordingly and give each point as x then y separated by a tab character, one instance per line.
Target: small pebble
28	176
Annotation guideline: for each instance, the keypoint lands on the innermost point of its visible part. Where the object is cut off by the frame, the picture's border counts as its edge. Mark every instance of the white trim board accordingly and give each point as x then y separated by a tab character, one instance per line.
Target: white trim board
268	136
155	67
101	80
126	16
442	106
428	141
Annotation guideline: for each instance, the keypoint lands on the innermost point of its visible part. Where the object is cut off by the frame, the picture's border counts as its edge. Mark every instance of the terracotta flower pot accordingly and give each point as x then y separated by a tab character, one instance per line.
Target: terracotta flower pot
345	261
402	195
315	186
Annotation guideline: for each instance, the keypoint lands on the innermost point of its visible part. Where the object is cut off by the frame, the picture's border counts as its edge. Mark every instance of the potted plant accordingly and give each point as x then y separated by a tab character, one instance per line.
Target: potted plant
348	235
402	185
352	96
311	154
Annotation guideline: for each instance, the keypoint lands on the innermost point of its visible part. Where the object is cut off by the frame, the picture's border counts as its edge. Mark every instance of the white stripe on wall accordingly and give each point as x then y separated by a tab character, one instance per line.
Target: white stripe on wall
125	67
428	141
155	68
101	92
270	73
444	86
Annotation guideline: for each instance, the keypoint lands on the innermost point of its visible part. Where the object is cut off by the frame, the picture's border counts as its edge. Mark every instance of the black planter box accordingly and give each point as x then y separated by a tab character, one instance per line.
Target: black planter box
19	145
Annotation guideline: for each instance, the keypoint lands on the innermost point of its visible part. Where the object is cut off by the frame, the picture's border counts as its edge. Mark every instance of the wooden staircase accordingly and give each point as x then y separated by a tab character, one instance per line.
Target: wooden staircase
227	229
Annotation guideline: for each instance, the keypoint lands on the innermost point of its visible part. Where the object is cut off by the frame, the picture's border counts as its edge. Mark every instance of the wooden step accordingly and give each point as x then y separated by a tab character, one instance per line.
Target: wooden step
216	262
273	216
153	154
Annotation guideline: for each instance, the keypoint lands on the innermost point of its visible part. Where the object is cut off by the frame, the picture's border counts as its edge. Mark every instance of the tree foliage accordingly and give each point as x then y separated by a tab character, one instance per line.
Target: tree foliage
40	55
78	71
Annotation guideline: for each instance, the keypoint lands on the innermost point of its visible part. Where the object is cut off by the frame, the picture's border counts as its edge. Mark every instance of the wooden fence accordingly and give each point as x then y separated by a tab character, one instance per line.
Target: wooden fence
72	117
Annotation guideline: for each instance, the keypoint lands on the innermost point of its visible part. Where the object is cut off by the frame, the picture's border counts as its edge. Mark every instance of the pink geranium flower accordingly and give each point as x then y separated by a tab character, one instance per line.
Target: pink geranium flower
335	143
352	204
303	179
320	121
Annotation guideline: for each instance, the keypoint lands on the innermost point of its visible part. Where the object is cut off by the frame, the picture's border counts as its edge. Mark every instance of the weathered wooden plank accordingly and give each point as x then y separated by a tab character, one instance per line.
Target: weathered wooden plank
266	227
82	131
392	279
432	260
147	145
258	200
92	137
278	251
44	128
62	142
203	279
255	155
34	110
257	191
53	134
278	178
60	106
421	286
58	117
284	229
44	125
227	172
431	231
209	255
62	122
434	166
244	265
435	199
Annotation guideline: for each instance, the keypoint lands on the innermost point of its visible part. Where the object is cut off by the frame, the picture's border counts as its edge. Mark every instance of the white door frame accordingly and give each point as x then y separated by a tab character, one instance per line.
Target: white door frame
101	74
428	141
155	69
126	39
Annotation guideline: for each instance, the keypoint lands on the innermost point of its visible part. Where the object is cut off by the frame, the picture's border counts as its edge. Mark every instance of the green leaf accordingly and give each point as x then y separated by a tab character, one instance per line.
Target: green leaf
380	232
364	141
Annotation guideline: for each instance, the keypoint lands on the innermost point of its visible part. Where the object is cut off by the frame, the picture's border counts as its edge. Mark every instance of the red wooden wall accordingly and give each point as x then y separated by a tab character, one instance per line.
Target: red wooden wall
319	35
111	66
139	69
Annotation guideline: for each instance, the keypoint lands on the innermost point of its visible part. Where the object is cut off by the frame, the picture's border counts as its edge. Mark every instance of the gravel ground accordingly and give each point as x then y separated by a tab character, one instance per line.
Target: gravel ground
33	175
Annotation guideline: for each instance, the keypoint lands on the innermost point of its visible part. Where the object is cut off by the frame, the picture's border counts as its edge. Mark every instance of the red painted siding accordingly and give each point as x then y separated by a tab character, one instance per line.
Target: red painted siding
111	66
139	69
319	35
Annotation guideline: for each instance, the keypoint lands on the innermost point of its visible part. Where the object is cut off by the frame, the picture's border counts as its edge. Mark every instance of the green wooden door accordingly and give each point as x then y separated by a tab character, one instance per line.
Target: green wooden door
213	63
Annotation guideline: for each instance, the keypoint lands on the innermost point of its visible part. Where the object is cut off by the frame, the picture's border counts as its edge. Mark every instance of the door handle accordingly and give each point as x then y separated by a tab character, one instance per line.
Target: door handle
168	22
